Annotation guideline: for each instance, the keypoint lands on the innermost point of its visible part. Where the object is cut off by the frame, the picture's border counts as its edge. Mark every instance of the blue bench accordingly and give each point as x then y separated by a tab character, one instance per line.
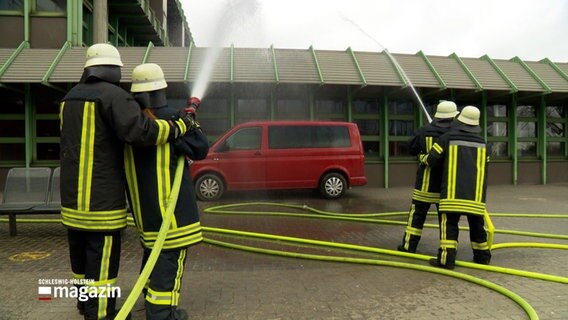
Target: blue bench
29	190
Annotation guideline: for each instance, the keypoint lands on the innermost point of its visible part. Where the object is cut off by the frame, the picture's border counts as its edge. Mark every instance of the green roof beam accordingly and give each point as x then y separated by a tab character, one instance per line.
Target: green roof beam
320	74
147	53
55	62
555	67
7	87
547	89
462	64
398	68
441	81
13	56
187	60
357	66
276	75
512	85
232	76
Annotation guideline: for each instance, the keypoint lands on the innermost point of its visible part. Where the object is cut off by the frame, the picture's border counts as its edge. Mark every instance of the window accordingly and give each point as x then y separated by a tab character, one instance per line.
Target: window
213	115
12	5
252	109
497	130
366	114
50	6
47	123
526	131
292	109
286	137
330	109
556	131
12	124
401	127
244	139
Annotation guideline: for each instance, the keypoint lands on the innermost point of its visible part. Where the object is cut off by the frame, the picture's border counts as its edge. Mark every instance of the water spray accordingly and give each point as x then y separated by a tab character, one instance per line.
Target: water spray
394	61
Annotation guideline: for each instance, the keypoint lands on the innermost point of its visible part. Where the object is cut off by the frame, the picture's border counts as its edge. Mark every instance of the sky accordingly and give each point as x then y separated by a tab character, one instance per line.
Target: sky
502	29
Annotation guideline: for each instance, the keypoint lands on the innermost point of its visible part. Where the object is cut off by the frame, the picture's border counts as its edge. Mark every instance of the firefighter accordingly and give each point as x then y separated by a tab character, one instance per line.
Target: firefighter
427	186
97	117
150	173
462	155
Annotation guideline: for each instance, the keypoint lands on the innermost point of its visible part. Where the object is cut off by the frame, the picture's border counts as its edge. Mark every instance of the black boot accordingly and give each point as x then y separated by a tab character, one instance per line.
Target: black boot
402	249
435	263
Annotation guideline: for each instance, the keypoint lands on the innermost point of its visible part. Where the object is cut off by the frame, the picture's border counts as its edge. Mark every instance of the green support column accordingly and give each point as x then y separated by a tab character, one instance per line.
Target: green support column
27	7
385	135
542	139
28	124
513	137
232	107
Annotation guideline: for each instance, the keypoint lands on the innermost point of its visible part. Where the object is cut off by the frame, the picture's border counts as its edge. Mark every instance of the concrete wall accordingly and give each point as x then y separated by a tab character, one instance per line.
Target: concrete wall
529	173
557	172
499	173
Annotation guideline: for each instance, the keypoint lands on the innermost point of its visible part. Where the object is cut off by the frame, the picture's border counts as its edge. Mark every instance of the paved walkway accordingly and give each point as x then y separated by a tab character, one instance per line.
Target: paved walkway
222	283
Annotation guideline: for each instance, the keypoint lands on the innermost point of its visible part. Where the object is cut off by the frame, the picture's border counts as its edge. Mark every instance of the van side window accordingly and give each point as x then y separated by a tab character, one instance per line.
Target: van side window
287	137
244	139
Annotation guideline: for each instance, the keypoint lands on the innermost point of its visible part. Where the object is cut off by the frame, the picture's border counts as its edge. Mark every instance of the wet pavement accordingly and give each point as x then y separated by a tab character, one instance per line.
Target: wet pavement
224	283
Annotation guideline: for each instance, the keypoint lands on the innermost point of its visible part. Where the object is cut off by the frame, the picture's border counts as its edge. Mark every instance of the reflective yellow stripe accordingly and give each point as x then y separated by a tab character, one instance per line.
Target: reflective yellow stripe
61	108
173	233
426	174
177	243
103	274
452	171
78	276
429	197
105	282
438	148
462	206
449	244
161	298
481	156
413	231
94	220
86	156
179	273
480	246
444	253
132	180
163	178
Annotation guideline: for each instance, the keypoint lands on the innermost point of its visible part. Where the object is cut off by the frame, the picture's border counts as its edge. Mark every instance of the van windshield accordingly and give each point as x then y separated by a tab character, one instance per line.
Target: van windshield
287	137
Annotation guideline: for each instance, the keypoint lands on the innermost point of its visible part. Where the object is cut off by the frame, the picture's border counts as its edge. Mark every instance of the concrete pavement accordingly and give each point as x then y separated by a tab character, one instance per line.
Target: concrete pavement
222	283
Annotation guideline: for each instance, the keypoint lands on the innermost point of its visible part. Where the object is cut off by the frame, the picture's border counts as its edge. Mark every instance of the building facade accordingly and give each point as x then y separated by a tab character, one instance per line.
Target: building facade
524	104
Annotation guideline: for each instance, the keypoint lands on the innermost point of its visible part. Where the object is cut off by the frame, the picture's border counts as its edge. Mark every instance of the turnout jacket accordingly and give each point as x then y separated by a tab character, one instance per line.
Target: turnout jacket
428	179
462	155
150	174
96	119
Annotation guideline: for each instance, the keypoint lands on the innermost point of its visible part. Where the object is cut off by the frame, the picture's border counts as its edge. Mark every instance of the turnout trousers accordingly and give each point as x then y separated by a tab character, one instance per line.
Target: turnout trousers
449	232
416	218
95	257
163	287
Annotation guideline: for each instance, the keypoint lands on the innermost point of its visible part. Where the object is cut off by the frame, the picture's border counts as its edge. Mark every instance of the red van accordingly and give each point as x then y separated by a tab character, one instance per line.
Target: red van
322	155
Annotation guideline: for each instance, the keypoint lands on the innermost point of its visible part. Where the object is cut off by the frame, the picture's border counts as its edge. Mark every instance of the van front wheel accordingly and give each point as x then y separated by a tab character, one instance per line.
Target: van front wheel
333	185
209	187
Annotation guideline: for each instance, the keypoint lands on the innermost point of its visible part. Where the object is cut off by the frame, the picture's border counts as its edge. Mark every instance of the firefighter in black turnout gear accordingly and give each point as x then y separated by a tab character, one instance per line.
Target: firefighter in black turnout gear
462	154
150	174
97	117
427	186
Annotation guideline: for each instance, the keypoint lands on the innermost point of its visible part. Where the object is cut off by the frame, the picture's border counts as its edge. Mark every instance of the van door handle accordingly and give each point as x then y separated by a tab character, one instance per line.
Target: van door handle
257	153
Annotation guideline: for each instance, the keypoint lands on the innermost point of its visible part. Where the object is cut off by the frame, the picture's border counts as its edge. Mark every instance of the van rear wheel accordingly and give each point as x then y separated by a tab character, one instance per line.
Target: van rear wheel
333	185
209	187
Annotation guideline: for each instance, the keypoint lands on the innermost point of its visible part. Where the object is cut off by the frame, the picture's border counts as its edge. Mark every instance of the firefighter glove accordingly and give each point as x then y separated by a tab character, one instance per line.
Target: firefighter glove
192	106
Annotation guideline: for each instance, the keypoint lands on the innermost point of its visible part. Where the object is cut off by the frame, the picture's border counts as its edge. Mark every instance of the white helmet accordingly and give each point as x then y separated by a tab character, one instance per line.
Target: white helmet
102	54
469	115
446	110
148	77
